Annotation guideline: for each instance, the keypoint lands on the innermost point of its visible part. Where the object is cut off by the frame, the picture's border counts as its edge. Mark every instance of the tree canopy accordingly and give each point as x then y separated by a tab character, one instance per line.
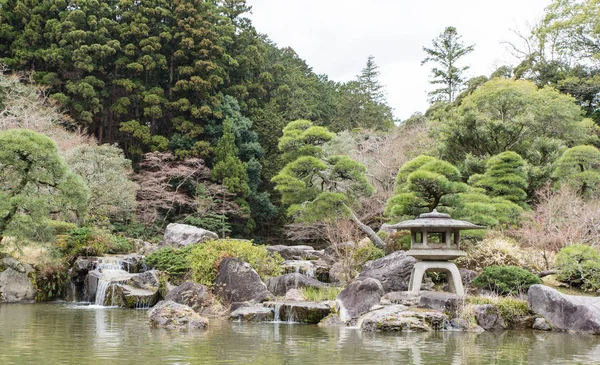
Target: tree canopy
35	183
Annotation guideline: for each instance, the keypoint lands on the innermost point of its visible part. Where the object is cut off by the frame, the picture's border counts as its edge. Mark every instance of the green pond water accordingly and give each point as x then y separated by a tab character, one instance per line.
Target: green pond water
77	334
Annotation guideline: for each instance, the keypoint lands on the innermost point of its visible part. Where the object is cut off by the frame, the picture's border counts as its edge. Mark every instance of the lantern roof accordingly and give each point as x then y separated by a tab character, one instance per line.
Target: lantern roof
435	219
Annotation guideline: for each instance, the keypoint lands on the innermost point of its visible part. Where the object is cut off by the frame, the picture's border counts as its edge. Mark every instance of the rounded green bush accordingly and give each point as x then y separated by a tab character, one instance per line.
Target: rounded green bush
205	258
579	266
506	280
171	260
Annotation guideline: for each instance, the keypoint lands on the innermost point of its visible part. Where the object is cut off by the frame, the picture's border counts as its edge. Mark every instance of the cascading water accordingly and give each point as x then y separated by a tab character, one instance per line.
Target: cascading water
276	313
109	271
302	267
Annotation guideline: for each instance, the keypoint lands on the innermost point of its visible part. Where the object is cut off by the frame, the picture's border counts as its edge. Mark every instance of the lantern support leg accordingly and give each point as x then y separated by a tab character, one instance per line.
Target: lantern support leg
452	274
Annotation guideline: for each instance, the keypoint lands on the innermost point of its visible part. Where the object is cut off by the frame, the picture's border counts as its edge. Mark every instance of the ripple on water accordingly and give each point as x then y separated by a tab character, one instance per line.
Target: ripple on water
84	334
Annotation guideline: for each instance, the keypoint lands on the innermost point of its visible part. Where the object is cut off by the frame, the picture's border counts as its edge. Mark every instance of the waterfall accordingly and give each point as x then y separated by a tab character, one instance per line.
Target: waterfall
142	303
290	312
110	263
101	291
302	267
276	311
110	270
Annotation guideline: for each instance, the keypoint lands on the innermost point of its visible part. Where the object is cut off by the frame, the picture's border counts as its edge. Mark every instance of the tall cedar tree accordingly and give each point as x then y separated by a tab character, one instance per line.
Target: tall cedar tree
447	50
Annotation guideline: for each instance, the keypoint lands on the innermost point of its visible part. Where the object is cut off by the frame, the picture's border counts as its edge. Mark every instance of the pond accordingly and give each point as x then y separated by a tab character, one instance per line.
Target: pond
79	334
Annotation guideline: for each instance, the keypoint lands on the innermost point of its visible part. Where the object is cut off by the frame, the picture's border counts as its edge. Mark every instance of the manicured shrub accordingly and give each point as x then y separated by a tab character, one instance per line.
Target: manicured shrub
579	266
171	260
506	280
205	258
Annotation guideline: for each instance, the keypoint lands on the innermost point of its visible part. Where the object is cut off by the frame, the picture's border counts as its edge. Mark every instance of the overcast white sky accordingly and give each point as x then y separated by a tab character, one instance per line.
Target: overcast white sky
335	37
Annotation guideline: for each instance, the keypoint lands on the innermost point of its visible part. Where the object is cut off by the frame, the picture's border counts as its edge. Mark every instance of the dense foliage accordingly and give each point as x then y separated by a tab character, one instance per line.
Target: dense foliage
204	259
506	280
171	260
579	266
34	183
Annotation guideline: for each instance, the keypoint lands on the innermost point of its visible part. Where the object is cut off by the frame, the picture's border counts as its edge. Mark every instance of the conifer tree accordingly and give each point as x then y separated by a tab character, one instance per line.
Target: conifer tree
505	177
447	50
579	167
35	182
228	168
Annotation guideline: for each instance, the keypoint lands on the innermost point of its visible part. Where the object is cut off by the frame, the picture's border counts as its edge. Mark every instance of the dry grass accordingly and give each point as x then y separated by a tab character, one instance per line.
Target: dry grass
561	218
32	253
497	249
28	107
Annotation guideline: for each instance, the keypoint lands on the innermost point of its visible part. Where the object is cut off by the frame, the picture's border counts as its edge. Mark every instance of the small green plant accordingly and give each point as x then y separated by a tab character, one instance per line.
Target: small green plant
367	253
579	266
506	280
320	294
171	260
205	258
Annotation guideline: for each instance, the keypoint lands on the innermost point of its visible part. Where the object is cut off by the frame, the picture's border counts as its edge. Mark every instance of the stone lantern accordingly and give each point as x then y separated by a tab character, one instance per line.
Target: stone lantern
435	239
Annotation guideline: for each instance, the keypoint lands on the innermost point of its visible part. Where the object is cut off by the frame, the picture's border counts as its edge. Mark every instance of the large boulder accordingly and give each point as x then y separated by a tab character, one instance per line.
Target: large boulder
179	235
255	313
281	284
173	315
392	271
358	298
237	281
196	296
565	312
400	318
406	298
300	312
448	303
16	282
489	317
294	252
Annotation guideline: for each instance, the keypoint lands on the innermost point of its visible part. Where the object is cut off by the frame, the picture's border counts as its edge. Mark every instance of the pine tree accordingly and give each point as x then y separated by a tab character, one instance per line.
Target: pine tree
505	177
35	182
447	50
579	167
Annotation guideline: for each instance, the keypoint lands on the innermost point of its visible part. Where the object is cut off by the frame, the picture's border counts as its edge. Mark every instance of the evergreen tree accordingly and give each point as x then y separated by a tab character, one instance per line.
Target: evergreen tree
315	187
228	168
505	176
422	185
579	167
426	183
34	183
362	103
447	50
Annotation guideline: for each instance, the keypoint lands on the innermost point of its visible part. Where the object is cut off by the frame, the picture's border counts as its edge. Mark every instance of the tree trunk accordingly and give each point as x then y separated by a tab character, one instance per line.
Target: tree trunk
377	241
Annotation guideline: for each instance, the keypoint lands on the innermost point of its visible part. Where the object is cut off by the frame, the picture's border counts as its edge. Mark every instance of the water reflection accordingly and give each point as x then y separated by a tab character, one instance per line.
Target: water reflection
63	334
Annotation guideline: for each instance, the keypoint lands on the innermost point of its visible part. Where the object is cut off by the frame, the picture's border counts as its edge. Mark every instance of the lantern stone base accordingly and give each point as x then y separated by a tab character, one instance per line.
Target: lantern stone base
452	274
